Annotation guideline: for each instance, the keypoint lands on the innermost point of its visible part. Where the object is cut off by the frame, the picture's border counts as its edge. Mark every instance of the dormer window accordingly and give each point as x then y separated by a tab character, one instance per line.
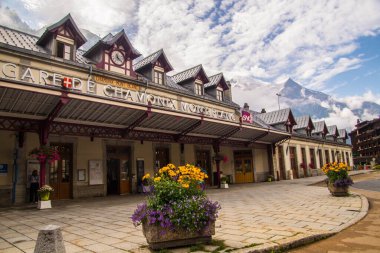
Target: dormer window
219	94
64	51
158	77
198	89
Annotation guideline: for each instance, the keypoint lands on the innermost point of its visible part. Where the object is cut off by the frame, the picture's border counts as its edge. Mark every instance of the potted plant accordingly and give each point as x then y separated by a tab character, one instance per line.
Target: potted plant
146	183
44	194
270	178
224	182
177	212
337	180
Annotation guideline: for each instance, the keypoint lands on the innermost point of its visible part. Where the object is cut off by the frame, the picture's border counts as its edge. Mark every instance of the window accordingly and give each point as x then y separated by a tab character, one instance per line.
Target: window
158	77
198	89
64	51
219	95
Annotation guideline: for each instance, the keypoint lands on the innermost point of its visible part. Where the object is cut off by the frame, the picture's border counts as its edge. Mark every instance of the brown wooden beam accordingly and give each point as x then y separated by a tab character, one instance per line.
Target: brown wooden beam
189	129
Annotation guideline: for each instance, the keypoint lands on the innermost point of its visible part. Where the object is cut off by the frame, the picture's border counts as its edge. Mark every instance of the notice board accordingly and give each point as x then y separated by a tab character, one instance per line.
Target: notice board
95	168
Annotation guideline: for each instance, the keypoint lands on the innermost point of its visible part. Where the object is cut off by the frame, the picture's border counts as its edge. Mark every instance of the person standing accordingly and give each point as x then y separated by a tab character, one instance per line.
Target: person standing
34	180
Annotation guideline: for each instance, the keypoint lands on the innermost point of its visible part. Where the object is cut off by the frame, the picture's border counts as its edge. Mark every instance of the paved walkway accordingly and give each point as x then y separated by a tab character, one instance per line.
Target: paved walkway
253	217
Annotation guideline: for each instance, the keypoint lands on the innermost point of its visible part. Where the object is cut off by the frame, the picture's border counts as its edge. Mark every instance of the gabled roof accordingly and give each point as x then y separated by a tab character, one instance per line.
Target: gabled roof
215	80
333	130
68	20
27	41
191	73
277	117
320	127
303	122
342	134
152	59
109	40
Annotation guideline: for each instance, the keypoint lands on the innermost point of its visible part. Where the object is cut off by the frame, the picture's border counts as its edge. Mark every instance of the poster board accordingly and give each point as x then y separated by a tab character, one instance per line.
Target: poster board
30	166
95	172
81	175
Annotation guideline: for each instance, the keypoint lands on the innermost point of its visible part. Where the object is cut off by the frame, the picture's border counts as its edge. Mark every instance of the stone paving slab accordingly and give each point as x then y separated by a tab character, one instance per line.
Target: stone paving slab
254	218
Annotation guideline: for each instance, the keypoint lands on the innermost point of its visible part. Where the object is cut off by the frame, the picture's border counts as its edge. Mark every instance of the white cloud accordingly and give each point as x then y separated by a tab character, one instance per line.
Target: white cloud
356	102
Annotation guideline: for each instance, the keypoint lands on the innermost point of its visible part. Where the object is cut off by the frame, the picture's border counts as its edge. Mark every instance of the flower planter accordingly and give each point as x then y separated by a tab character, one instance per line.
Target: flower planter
162	238
341	191
224	185
147	188
44	204
44	195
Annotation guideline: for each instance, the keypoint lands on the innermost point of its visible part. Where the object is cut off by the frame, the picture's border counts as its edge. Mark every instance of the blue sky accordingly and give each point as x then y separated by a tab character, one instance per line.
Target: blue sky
367	76
331	46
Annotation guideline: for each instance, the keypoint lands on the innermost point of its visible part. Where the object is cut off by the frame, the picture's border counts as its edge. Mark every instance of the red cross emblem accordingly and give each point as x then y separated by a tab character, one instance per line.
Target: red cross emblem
67	82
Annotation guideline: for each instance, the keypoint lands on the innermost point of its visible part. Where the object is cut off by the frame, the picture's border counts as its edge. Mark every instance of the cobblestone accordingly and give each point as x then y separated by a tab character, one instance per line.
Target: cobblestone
267	214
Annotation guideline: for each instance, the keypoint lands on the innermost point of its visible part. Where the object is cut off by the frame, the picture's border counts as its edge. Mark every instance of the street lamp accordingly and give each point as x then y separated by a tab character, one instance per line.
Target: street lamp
278	96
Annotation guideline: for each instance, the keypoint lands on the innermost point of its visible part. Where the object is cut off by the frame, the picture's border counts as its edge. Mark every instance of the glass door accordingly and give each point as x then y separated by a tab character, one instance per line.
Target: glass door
203	161
119	175
60	174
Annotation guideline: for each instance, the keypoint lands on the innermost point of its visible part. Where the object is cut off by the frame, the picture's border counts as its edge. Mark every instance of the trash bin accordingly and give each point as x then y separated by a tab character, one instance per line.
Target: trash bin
290	174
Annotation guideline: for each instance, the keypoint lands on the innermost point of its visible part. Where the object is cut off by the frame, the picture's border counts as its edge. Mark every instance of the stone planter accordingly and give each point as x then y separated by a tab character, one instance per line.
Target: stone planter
147	188
44	204
162	238
338	191
224	185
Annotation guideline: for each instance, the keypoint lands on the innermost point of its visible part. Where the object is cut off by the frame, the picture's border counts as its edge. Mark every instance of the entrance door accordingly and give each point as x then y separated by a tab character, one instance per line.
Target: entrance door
119	178
162	158
243	166
202	158
61	171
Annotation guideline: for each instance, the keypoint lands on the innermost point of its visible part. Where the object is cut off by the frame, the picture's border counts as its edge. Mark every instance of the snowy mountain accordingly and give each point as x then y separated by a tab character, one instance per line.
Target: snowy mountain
320	105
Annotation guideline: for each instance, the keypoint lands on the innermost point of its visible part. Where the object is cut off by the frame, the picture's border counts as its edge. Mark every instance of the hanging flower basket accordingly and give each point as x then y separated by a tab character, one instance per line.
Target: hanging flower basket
45	153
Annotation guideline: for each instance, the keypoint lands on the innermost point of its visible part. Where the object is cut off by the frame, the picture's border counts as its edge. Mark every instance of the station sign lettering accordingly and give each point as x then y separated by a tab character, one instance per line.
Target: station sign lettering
108	87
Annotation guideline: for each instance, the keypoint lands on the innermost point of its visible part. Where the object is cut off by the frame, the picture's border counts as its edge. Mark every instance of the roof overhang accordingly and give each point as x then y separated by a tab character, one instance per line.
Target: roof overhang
82	113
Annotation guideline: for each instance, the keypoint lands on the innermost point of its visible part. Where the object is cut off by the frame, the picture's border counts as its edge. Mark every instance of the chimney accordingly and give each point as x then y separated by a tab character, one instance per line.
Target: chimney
263	110
246	107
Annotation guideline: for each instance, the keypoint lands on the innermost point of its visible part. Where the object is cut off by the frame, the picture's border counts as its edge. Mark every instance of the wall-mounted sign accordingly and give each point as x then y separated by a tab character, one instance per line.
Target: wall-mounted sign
116	83
110	88
95	172
246	117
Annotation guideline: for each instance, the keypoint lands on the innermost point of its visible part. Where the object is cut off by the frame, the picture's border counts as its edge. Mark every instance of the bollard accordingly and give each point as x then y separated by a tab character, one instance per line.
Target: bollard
50	240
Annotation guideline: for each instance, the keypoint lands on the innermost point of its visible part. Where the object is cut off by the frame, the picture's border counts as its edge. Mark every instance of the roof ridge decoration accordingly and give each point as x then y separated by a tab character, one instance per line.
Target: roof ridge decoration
190	73
152	59
79	37
109	41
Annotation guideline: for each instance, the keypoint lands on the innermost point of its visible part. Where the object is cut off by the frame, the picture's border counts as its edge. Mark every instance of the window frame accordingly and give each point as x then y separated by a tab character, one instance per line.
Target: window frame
62	52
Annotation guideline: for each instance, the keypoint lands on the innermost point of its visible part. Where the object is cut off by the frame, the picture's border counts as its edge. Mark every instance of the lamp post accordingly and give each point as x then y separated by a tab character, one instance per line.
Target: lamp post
278	99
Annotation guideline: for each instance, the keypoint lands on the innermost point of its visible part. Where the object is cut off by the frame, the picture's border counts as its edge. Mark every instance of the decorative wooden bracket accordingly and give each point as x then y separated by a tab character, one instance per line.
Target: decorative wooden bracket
45	124
189	129
138	121
230	133
258	138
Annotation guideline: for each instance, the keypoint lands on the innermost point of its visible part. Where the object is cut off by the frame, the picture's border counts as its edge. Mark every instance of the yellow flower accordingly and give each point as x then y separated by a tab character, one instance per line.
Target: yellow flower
156	179
146	176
